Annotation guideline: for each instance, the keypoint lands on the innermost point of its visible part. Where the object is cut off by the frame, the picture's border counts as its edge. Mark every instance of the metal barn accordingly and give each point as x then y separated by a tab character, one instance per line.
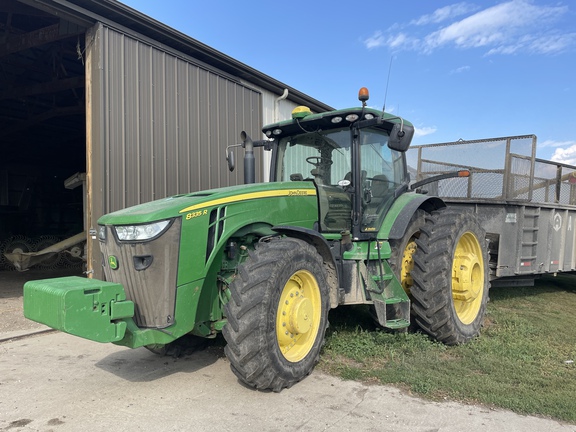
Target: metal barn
102	107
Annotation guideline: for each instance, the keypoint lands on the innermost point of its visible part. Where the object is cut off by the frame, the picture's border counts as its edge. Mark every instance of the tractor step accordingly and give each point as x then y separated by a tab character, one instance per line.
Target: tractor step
394	300
385	277
391	302
392	315
397	323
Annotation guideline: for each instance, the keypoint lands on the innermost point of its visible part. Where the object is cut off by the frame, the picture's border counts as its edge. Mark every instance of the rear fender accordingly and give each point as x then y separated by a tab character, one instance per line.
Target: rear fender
398	218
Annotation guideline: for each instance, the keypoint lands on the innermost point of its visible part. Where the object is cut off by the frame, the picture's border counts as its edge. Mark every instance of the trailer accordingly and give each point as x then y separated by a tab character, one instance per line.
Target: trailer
526	205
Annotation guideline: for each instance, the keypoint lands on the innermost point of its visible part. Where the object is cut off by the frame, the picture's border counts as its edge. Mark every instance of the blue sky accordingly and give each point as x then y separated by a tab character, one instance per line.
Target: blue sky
468	70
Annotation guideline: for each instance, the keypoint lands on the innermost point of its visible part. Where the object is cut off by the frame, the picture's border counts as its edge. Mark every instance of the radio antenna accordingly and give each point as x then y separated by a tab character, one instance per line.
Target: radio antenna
387	81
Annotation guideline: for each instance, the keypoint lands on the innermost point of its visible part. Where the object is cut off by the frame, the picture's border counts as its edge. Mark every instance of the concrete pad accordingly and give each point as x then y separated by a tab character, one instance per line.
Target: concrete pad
57	382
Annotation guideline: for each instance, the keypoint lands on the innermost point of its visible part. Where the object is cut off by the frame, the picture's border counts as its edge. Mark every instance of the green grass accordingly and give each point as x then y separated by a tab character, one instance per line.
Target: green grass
522	361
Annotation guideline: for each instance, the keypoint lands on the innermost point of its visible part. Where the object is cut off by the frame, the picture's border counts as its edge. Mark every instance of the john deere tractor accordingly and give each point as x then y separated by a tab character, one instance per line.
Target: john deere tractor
338	224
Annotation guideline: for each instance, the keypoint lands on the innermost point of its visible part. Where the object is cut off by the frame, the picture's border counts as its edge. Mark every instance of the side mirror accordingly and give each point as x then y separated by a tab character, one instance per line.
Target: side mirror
230	159
400	137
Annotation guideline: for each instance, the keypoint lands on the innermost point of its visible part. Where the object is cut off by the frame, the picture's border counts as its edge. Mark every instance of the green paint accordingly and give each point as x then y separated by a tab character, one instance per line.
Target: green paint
89	308
211	221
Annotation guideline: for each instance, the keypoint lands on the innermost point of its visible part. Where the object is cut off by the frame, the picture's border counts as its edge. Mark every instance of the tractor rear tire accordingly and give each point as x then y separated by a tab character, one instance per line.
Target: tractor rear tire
450	276
402	258
277	314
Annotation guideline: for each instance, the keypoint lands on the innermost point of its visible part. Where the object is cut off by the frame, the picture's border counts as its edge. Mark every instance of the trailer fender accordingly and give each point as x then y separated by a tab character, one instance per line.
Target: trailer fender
315	239
427	203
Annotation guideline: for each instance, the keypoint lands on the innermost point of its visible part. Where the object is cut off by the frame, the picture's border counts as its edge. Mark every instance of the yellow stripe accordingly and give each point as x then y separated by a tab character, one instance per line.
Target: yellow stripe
252	195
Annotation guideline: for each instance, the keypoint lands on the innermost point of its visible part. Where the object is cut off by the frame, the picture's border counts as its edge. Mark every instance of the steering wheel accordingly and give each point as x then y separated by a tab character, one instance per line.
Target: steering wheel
319	161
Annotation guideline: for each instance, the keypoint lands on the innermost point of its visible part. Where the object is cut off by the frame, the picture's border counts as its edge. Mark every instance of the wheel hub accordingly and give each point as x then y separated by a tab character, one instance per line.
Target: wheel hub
466	276
407	266
298	316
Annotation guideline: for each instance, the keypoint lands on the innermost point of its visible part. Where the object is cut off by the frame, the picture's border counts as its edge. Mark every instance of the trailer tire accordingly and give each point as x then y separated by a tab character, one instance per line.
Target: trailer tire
277	314
451	276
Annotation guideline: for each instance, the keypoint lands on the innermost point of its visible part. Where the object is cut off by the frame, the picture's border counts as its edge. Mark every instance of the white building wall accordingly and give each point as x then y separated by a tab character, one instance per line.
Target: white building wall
275	108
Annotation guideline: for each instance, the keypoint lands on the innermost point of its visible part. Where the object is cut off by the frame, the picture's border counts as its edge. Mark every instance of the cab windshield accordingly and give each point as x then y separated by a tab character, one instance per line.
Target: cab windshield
325	157
320	156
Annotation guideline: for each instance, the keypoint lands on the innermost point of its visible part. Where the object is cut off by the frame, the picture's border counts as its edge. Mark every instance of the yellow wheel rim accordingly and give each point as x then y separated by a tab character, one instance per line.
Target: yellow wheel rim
468	278
407	266
298	318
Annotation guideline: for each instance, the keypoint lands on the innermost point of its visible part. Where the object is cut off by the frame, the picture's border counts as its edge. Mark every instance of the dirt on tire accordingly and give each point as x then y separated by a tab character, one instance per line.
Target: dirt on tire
251	335
432	298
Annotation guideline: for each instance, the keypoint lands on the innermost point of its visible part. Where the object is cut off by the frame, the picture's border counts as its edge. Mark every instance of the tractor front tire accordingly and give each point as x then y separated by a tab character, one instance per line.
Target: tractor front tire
450	276
277	314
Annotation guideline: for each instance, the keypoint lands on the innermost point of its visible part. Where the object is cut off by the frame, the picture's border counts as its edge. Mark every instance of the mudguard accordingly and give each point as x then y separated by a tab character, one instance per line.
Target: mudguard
398	217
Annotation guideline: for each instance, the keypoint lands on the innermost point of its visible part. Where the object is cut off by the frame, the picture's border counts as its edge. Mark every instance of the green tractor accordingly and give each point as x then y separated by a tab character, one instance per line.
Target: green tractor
338	224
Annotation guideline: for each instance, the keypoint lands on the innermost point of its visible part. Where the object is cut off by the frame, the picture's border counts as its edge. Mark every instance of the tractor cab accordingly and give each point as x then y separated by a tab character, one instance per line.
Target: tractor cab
354	157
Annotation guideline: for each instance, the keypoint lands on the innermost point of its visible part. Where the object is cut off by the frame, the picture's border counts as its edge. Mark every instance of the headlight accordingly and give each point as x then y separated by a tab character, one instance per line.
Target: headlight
140	232
102	233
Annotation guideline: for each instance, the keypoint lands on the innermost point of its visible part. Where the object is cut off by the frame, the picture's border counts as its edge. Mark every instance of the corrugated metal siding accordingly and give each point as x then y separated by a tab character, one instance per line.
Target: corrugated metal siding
273	110
167	122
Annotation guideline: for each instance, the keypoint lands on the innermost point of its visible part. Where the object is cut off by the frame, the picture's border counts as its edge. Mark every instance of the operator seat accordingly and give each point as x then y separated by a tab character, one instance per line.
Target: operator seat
380	186
379	193
317	176
363	175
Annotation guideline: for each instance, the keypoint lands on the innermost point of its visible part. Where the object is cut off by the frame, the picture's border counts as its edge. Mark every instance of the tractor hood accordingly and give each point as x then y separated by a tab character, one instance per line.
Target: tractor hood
177	205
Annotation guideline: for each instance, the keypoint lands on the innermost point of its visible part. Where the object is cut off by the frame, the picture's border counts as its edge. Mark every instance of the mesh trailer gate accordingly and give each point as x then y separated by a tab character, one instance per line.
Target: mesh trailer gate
526	205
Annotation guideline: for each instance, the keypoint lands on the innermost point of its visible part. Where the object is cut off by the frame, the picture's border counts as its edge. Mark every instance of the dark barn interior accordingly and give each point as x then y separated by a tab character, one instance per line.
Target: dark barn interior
42	129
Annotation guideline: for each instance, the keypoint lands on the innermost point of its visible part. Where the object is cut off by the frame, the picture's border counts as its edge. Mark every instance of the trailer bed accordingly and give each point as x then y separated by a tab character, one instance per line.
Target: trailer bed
526	205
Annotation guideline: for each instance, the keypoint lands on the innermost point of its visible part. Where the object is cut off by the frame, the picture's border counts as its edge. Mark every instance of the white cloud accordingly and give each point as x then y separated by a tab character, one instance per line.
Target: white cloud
375	41
460	70
552	143
394	41
506	28
553	43
427	130
543	44
397	41
565	155
444	13
497	24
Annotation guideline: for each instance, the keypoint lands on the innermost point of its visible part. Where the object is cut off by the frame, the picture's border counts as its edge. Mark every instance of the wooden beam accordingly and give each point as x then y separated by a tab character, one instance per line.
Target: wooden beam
43	88
18	8
36	38
30	122
95	185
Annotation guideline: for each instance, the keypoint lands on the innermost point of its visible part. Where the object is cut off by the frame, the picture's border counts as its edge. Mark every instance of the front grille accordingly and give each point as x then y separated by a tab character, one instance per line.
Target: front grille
148	272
